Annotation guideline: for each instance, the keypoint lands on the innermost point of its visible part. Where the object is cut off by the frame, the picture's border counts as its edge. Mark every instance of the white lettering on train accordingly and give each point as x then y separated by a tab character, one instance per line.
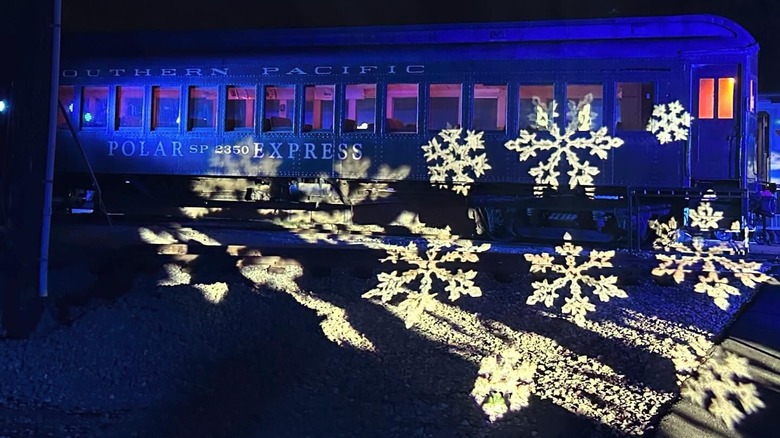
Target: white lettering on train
321	70
273	150
138	148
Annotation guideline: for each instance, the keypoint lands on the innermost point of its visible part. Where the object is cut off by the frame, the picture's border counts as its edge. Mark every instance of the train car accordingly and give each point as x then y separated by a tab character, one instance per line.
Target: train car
518	131
769	133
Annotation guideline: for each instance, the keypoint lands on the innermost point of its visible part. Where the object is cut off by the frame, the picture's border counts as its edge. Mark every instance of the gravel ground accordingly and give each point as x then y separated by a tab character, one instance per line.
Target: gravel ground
216	349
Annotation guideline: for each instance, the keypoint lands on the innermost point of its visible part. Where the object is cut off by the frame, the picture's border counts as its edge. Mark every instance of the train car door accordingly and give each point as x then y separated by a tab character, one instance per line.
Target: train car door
716	122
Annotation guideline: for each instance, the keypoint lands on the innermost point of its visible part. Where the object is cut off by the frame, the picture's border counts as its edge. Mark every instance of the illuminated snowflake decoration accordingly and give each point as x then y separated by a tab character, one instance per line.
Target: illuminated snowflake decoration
669	122
580	115
723	385
461	160
574	274
426	269
705	258
504	385
564	145
542	118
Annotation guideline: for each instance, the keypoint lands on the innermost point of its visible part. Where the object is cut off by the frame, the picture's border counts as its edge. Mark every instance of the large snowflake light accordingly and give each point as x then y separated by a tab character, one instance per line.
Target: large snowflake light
563	145
458	164
705	258
723	385
427	269
574	275
669	122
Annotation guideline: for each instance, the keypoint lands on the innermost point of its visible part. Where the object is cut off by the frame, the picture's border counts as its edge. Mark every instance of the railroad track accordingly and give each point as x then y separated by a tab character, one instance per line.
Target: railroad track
149	241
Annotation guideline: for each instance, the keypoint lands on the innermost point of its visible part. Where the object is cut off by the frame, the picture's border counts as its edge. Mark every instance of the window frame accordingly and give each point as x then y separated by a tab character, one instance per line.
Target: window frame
180	127
109	103
224	110
144	108
295	127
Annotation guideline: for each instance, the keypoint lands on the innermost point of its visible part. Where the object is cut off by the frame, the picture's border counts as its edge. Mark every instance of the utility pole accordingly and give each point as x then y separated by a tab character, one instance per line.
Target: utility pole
31	30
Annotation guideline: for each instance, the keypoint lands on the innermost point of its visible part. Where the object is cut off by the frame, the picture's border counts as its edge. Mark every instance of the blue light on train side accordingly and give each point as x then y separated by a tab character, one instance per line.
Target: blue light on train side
87	117
70	108
3	106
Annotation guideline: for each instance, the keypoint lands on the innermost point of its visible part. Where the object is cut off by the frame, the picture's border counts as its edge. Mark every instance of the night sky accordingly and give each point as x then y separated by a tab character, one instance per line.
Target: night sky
759	17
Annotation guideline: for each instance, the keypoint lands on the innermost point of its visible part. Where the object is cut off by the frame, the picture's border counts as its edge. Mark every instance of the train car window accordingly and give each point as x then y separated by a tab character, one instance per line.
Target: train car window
67	96
584	107
129	107
538	109
318	108
762	145
165	107
240	108
706	98
752	101
279	108
402	107
489	107
94	107
202	109
726	98
634	105
360	108
445	106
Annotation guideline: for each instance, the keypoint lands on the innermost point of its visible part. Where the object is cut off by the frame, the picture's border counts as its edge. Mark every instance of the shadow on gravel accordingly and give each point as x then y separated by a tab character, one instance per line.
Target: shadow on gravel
271	372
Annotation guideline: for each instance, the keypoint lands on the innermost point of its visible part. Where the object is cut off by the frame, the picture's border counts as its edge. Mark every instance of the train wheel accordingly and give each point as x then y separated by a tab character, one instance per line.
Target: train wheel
723	236
498	223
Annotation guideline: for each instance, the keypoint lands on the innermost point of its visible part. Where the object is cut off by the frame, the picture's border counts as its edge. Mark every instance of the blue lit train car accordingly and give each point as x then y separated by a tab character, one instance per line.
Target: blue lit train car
769	133
339	117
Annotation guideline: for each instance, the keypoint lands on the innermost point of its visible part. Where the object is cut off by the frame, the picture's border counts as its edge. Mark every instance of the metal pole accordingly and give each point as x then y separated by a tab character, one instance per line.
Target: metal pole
52	141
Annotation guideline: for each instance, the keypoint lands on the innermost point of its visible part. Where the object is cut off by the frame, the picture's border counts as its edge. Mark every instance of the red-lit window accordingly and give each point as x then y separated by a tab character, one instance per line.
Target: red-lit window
165	107
538	110
706	98
318	108
94	107
726	98
489	107
402	100
279	108
360	107
240	109
129	107
724	102
66	96
444	106
202	108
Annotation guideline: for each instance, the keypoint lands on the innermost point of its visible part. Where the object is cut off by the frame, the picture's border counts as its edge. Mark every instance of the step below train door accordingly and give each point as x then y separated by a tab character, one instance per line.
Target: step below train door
715	128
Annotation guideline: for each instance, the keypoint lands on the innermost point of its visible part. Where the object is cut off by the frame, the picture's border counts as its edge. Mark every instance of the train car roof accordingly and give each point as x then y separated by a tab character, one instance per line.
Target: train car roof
689	30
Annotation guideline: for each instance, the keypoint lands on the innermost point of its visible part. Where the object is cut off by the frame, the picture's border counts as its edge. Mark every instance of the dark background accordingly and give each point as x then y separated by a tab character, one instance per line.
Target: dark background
760	17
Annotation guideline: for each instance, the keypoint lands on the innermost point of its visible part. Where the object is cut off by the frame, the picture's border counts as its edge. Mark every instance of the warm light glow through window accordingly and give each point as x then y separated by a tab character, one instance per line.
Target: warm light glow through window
726	98
706	98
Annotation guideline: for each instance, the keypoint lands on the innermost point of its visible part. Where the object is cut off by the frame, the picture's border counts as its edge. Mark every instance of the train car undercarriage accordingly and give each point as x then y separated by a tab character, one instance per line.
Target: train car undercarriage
611	217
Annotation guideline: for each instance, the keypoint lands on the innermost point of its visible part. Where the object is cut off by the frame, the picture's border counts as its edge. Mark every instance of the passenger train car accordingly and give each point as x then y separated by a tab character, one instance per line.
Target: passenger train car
518	131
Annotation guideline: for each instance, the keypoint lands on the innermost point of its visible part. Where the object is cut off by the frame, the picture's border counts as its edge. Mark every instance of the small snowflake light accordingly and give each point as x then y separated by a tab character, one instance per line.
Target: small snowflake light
669	122
574	275
457	165
580	114
542	117
564	145
427	269
707	258
504	385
